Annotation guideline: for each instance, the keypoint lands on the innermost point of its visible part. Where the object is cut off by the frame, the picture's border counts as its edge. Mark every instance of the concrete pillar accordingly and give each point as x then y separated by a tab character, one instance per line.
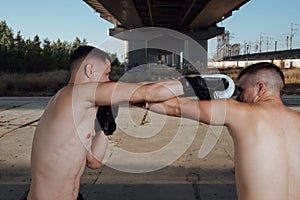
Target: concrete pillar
195	53
144	45
136	52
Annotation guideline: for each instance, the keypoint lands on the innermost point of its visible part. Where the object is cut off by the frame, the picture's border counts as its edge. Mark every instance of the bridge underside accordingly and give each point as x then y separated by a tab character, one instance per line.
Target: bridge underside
194	20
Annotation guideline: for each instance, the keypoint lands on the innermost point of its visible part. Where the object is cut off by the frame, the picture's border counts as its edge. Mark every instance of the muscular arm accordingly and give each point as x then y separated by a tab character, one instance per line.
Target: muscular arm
115	92
215	112
95	156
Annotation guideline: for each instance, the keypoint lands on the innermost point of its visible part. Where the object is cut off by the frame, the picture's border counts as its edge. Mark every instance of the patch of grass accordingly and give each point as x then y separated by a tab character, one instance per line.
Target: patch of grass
292	78
48	83
32	84
292	75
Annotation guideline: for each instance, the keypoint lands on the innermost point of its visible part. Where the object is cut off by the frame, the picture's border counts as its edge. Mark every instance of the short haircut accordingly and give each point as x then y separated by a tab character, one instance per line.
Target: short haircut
84	51
265	72
253	69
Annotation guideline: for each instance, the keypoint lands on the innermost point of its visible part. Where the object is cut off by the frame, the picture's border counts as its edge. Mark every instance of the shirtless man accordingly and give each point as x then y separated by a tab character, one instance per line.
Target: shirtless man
64	141
266	134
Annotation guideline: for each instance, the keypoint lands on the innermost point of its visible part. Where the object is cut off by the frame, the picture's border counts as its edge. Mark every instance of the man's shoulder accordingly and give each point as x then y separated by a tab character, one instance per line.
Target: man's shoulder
62	97
63	93
244	111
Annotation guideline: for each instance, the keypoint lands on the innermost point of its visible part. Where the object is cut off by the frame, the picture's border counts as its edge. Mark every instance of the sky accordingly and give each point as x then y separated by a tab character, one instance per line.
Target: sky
265	20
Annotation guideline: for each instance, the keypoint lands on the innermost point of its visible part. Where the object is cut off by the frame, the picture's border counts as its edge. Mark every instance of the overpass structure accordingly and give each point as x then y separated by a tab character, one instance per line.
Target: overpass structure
170	31
272	55
284	59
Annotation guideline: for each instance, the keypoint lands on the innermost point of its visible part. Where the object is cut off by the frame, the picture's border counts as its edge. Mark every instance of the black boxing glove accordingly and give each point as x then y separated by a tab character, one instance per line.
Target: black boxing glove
105	120
205	87
195	85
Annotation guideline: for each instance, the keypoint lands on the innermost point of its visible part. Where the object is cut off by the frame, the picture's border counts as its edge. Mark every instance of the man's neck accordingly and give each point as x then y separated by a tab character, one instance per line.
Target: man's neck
270	99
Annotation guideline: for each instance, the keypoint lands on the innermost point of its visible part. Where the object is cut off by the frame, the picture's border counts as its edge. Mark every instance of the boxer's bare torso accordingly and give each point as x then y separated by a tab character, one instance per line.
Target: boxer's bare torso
63	138
59	148
266	133
65	141
266	137
267	147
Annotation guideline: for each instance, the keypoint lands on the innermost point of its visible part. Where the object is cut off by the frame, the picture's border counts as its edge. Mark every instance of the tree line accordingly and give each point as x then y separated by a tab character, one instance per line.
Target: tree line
20	55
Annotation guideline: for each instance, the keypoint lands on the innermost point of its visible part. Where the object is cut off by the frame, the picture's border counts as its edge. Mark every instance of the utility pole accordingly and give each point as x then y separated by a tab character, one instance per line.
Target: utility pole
245	47
260	42
275	46
291	36
256	46
269	41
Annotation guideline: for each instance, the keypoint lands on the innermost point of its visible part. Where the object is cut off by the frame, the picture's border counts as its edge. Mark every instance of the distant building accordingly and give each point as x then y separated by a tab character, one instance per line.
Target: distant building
224	48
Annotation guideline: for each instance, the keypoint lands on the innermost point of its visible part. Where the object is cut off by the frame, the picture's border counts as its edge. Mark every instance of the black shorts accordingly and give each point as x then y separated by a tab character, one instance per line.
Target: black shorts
80	197
24	197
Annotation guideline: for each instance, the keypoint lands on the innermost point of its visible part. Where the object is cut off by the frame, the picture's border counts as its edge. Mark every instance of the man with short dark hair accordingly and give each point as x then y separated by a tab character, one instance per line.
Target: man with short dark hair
266	133
65	140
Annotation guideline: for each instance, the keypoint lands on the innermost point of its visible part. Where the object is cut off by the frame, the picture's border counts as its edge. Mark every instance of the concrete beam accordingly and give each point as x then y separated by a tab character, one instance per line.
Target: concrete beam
215	11
205	33
124	11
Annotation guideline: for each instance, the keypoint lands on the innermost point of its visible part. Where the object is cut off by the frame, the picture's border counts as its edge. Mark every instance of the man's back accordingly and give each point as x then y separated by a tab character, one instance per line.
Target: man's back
266	133
267	149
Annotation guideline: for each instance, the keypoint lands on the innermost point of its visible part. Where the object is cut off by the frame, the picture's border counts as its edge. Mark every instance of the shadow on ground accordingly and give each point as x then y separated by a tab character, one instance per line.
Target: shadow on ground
162	184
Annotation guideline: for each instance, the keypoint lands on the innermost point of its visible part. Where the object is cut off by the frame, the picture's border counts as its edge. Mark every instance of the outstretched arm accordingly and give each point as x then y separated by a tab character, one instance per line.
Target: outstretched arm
110	93
113	93
178	107
213	112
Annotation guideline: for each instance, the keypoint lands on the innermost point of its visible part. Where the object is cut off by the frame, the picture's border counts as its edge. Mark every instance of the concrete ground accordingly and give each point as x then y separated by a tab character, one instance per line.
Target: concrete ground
149	156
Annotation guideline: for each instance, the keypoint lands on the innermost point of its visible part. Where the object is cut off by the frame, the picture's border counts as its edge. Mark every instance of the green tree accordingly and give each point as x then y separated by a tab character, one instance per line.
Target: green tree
61	52
17	54
25	55
6	43
32	55
6	36
77	42
47	56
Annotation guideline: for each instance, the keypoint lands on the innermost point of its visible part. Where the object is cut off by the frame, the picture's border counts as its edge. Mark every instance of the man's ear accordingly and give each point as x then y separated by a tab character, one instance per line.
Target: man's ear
88	70
261	88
